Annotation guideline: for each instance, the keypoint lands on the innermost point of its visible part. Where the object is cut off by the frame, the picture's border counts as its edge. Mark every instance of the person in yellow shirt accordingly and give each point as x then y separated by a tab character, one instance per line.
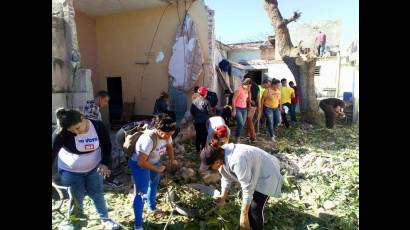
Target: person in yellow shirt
270	102
287	94
265	84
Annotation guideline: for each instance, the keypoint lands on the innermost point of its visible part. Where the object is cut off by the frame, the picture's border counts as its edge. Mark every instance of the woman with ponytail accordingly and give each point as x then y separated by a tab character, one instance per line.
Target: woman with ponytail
83	148
146	167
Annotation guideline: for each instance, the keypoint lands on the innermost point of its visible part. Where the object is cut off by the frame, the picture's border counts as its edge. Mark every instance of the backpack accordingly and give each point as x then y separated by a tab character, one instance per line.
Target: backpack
132	135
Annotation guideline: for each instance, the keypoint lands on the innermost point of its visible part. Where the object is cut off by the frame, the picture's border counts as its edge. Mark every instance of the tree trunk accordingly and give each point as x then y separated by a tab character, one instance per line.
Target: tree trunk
308	102
302	66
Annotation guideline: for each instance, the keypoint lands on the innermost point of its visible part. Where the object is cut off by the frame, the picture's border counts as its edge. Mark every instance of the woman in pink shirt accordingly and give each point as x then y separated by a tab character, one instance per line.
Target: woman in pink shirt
320	40
240	100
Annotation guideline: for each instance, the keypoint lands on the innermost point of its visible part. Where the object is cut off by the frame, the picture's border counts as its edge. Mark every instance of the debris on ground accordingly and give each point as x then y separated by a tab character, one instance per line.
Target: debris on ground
321	185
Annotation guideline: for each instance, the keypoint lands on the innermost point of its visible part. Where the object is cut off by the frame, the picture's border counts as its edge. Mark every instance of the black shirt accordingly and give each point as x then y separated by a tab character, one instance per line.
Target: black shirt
161	106
334	102
255	93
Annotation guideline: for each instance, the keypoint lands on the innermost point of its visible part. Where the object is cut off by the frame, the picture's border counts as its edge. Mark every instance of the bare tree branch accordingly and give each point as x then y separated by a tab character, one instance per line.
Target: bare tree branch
271	7
296	16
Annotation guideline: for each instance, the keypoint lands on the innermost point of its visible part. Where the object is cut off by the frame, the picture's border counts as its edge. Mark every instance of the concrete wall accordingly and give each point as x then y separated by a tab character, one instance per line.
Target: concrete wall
356	95
238	55
87	42
124	38
280	71
326	79
305	31
268	54
347	74
328	74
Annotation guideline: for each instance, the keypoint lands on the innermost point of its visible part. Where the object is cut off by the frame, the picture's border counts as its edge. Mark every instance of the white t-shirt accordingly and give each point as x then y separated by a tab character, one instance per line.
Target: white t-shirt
144	145
81	163
215	122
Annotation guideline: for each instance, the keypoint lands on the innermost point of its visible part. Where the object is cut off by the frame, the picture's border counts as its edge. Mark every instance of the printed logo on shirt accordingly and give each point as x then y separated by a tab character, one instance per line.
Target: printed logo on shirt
88	140
160	150
89	147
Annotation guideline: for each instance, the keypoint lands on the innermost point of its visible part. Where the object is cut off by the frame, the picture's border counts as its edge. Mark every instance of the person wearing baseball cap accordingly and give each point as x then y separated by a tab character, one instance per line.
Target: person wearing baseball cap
212	124
257	172
202	91
200	110
220	136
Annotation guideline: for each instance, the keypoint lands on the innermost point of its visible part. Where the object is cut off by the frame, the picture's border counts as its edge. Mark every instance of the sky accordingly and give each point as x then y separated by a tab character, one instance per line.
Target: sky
246	20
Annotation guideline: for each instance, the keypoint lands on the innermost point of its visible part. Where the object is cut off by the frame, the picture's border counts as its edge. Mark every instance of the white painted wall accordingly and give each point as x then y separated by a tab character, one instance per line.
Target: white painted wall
356	95
238	55
328	74
346	79
280	71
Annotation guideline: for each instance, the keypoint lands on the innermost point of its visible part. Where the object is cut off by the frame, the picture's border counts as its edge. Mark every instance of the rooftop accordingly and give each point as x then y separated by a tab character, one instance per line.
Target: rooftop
246	45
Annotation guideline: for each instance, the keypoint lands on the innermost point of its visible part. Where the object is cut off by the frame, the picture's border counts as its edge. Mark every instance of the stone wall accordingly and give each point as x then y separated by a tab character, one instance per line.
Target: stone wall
71	86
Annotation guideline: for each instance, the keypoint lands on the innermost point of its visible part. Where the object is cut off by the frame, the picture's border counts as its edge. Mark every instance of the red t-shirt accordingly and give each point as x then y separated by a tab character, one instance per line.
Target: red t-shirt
295	100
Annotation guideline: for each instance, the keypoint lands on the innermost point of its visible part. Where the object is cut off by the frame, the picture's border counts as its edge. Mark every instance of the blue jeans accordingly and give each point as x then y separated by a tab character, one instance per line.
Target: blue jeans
240	120
321	49
292	112
146	182
89	183
272	119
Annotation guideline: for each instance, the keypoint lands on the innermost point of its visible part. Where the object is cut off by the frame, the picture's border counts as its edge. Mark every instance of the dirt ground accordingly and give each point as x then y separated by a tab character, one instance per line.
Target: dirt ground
321	189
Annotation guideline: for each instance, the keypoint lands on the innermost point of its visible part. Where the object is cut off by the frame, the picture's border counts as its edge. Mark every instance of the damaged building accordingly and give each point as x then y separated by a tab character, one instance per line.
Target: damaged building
335	74
134	49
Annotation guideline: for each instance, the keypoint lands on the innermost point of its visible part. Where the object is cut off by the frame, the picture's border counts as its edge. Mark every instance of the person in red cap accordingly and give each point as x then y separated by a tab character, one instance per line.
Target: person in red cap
200	110
257	172
220	136
213	123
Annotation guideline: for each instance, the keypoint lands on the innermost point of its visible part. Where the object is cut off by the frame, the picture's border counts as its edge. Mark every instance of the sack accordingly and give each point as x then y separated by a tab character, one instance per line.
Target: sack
132	135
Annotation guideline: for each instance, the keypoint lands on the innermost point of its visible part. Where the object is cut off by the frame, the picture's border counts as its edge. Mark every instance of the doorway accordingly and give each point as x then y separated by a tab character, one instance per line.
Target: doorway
256	76
114	88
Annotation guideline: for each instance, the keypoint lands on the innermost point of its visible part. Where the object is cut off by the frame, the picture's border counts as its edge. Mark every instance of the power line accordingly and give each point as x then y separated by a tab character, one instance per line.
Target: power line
150	48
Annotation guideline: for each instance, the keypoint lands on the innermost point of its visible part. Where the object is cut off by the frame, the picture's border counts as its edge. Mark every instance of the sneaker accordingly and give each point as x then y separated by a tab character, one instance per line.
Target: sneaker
110	224
138	228
155	211
131	195
114	183
273	139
